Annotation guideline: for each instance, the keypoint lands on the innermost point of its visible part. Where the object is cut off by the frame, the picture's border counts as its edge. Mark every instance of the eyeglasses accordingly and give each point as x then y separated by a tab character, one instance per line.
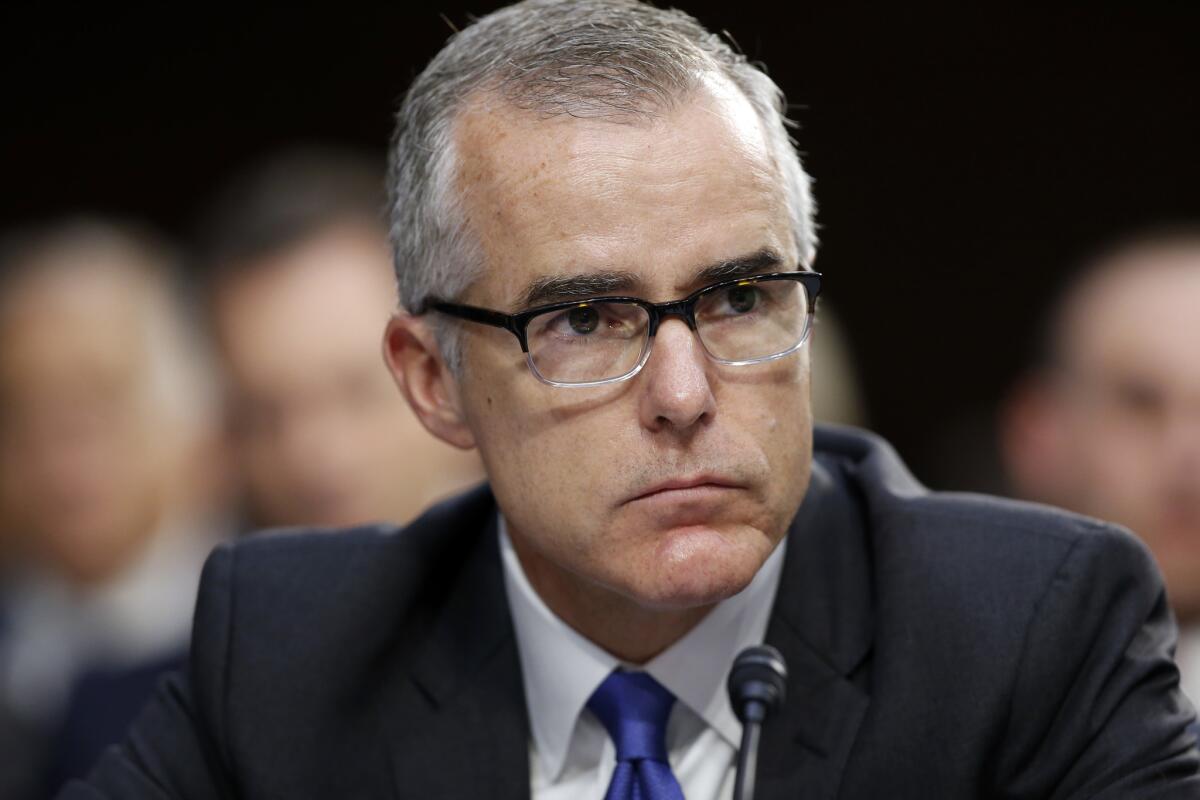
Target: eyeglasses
581	343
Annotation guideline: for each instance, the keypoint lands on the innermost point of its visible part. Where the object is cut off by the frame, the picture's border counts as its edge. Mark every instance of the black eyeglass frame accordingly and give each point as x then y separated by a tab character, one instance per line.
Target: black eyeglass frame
685	309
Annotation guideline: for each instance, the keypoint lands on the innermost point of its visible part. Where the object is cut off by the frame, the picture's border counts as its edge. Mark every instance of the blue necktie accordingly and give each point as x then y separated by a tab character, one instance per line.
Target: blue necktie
634	707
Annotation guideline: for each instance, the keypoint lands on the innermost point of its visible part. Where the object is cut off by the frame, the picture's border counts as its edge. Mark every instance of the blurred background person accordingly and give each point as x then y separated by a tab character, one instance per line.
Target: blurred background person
300	286
1109	423
108	476
836	392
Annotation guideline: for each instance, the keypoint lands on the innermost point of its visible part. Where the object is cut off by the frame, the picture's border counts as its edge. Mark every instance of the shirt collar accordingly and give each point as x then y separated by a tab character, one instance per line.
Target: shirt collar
561	668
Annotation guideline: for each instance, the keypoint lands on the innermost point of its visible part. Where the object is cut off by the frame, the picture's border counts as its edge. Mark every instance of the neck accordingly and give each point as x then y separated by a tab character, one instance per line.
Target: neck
626	629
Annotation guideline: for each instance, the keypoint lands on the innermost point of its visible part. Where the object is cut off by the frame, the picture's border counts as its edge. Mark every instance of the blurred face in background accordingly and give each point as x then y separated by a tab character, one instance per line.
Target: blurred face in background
1116	432
320	433
88	461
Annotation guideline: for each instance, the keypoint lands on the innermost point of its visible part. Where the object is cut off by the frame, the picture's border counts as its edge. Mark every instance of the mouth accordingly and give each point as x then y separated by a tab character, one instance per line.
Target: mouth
686	488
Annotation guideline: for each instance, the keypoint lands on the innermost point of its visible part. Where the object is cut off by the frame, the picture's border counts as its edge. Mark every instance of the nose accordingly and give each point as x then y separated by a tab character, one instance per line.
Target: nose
676	391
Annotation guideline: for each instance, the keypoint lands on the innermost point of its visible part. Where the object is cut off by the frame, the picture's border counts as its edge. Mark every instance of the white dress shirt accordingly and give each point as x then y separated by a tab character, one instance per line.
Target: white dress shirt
571	754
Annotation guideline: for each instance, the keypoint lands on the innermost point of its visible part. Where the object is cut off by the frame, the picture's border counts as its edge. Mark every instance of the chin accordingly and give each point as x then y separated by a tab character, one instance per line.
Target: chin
700	566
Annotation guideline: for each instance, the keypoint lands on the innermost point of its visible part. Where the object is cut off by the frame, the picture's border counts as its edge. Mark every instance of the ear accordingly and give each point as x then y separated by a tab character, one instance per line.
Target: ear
415	360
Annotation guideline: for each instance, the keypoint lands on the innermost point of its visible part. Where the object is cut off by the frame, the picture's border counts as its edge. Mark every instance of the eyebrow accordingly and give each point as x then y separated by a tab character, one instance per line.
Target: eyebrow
554	288
740	267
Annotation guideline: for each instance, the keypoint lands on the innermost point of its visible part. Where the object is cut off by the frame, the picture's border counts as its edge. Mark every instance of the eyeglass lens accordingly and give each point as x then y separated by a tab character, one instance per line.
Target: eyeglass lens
588	342
603	340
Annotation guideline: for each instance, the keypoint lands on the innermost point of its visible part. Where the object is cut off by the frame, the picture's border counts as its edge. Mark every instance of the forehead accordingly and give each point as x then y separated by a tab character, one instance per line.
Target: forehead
309	308
693	184
1141	314
72	321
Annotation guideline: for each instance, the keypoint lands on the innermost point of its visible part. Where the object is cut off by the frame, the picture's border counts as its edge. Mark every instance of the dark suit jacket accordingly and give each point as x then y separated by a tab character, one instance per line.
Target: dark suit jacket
938	646
102	705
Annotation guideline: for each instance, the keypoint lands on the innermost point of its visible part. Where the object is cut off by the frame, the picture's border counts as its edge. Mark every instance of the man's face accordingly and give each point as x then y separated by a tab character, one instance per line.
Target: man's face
86	460
585	477
319	432
1131	411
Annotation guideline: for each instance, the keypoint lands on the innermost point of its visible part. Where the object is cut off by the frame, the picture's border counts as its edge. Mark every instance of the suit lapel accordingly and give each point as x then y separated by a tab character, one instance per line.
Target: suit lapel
457	726
821	623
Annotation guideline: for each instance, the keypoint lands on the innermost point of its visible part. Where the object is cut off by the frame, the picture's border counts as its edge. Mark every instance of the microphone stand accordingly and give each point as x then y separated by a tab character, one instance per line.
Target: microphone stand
757	686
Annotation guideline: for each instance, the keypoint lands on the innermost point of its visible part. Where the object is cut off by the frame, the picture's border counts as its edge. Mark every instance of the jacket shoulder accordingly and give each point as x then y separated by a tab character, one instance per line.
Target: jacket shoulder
962	531
969	576
335	601
1046	633
288	571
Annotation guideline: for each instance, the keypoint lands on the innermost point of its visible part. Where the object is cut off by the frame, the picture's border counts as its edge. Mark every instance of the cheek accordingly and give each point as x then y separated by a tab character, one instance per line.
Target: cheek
1112	460
774	415
549	470
1117	478
787	440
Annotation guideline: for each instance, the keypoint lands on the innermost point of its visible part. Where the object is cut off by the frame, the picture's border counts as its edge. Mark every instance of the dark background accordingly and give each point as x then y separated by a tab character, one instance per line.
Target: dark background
965	160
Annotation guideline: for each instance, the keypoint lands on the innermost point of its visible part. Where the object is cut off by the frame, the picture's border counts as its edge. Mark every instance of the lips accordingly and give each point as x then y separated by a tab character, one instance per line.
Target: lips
685	485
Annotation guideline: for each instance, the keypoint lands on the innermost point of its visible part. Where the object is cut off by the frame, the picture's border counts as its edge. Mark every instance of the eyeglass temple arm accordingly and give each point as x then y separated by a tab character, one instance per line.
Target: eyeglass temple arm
812	284
473	313
476	314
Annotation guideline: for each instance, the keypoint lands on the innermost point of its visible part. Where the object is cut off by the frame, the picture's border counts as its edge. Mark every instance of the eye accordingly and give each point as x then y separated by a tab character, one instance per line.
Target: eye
583	320
591	322
742	298
1139	398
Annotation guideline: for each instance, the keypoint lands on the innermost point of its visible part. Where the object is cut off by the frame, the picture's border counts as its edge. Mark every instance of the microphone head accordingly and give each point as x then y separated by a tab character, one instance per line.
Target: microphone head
758	676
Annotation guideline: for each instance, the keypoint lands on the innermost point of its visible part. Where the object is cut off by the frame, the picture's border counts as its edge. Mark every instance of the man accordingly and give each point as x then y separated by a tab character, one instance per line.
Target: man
603	235
300	284
1109	425
107	438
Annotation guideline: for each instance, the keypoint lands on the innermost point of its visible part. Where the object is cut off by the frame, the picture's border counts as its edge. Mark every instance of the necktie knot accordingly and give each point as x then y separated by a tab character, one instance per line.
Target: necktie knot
634	708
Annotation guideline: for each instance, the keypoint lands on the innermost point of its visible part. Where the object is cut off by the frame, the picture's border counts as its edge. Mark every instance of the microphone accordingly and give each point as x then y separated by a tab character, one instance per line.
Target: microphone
757	687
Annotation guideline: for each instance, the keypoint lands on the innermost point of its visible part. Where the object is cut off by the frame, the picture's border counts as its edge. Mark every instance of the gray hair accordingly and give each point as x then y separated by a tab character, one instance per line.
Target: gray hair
616	59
